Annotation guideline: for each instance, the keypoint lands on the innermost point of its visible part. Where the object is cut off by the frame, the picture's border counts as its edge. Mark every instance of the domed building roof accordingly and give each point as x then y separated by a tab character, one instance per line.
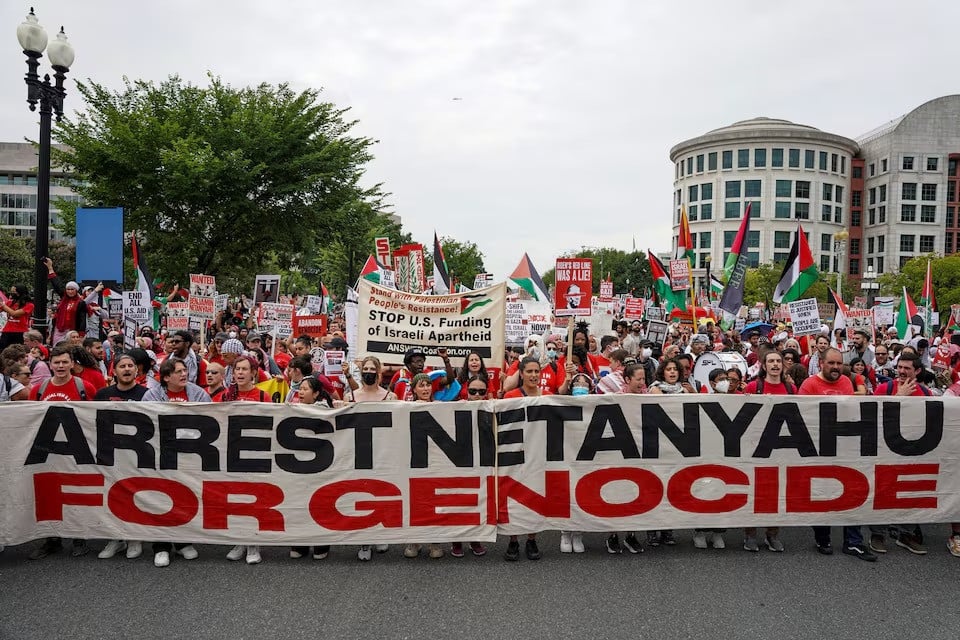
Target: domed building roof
763	128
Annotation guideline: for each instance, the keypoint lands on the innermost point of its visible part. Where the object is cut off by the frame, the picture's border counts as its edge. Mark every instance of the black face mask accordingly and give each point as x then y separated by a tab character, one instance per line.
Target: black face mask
369	378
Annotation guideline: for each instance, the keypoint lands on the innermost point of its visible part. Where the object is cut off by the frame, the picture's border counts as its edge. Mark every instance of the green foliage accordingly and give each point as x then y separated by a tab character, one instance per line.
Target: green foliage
18	265
220	180
945	271
629	270
761	282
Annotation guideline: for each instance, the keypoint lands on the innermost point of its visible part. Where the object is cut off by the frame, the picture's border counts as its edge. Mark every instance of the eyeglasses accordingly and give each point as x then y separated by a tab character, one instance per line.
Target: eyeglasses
174	340
477	392
24	373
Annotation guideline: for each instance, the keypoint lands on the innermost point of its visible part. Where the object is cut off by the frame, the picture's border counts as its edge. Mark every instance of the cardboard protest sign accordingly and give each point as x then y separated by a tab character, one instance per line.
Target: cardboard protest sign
351	313
883	310
601	317
221	302
266	288
136	307
680	275
654	313
273	315
574	287
178	316
860	320
114	305
391	321
826	311
410	268
633	308
317	359
314	326
657	332
202	285
805	315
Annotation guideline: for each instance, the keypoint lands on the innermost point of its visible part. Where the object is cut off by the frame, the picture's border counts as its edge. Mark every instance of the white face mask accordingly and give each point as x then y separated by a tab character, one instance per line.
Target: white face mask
723	386
647	353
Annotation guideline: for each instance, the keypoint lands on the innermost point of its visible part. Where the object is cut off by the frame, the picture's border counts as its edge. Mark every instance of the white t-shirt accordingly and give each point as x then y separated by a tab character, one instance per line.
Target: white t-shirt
15	388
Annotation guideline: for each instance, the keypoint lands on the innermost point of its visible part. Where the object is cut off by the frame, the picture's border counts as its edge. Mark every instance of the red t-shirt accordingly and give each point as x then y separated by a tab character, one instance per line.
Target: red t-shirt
177	396
768	389
94	377
63	393
881	390
817	386
20	324
519	393
549	380
253	395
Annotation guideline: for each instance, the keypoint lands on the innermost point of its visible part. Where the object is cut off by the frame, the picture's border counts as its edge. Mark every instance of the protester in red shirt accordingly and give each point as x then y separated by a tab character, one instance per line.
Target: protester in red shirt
175	386
71	314
18	308
86	367
244	387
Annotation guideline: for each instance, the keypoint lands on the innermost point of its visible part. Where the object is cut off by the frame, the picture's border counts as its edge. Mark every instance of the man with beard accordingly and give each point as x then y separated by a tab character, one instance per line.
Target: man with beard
181	343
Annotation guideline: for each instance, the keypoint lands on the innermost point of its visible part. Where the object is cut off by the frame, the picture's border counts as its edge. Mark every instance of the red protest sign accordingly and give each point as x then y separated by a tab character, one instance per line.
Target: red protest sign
606	291
313	326
679	275
382	246
574	287
633	308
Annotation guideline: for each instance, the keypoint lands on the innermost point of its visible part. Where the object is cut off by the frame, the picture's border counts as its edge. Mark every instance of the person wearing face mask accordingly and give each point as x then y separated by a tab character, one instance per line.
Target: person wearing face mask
719	382
551	375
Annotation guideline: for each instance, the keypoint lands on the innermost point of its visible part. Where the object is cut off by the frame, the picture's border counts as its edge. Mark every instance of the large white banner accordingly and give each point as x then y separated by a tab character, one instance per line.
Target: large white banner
392	321
410	472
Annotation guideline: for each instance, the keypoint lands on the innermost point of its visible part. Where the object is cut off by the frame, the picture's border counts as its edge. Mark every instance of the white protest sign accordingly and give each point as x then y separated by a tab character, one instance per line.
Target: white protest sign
333	363
266	288
524	318
136	307
202	285
657	332
313	304
222	301
859	320
178	316
274	315
805	315
202	307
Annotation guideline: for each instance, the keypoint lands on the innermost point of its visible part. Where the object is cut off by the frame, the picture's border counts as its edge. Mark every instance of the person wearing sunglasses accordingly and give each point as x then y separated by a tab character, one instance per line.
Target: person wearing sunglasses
476	390
180	346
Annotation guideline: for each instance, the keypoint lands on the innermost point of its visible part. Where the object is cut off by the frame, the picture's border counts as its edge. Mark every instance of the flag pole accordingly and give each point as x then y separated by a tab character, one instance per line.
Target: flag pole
693	296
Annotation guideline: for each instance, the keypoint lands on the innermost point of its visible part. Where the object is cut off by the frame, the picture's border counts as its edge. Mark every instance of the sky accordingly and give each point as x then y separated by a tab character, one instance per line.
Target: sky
525	126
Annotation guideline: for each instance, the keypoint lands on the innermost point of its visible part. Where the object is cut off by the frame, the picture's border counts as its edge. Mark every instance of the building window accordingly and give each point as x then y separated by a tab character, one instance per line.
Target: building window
801	210
838	194
705	238
776	158
677	172
753	259
823	161
947	243
703	260
679	197
883	166
949	220
857	199
824	262
932	164
781	239
700	163
728	238
838	215
759	158
928	192
731	210
883	215
906	242
827	192
854	266
908	213
872	218
809	157
733	188
881	241
794	158
854	246
781	210
780	256
926	244
908	163
870	245
784	188
753	240
904	260
857	172
883	193
833	163
754	209
690	165
826	213
712	161
728	159
928	213
706	191
692	213
843	165
751	188
855	219
873	169
873	195
706	212
743	158
802	189
951	191
952	167
908	191
692	193
826	241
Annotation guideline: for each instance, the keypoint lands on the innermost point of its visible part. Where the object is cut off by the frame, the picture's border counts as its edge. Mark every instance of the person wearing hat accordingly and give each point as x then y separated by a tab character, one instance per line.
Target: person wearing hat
230	350
573	296
414	361
71	313
213	348
267	364
860	348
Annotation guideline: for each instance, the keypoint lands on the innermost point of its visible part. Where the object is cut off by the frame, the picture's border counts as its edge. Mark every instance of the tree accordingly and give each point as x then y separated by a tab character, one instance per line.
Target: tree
629	271
945	271
464	259
215	179
16	262
762	280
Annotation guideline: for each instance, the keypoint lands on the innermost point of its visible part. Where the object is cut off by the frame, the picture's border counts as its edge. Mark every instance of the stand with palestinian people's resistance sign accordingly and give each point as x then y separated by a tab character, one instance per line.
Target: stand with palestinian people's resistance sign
400	472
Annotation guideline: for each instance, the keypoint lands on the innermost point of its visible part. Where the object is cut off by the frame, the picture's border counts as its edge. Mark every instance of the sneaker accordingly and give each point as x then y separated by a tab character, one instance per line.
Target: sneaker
613	544
632	544
825	548
237	552
750	544
80	548
161	559
478	549
666	537
411	551
953	544
699	540
295	553
134	549
566	543
189	552
436	551
717	541
859	551
382	548
364	554
911	544
456	549
320	555
253	554
774	543
878	543
513	551
49	546
653	538
113	547
532	550
578	543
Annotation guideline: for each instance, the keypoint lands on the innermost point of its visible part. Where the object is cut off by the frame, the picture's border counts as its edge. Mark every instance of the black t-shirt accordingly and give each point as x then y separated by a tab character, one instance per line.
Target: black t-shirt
112	394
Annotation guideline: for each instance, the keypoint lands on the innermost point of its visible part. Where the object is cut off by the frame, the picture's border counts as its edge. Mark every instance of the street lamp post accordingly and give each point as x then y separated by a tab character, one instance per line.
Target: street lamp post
33	41
870	285
840	247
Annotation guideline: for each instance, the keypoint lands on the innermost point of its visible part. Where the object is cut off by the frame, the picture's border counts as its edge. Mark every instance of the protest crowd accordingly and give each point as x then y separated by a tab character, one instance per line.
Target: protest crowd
87	357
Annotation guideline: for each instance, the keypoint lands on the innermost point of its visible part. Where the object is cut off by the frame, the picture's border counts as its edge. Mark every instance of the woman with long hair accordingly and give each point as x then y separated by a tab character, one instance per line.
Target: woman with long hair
422	387
19	308
370	389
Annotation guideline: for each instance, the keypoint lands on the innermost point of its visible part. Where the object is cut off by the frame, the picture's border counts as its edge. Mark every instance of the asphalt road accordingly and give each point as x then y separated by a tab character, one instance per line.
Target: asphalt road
675	592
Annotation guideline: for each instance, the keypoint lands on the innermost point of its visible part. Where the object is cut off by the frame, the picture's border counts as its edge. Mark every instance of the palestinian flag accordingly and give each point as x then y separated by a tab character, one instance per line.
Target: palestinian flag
716	287
661	285
739	245
441	276
371	270
473	301
928	301
799	273
326	304
840	316
526	277
684	242
144	281
905	315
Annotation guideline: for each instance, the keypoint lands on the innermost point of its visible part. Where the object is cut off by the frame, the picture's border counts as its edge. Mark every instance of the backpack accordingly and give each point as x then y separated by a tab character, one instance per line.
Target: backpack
923	388
789	387
77	381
